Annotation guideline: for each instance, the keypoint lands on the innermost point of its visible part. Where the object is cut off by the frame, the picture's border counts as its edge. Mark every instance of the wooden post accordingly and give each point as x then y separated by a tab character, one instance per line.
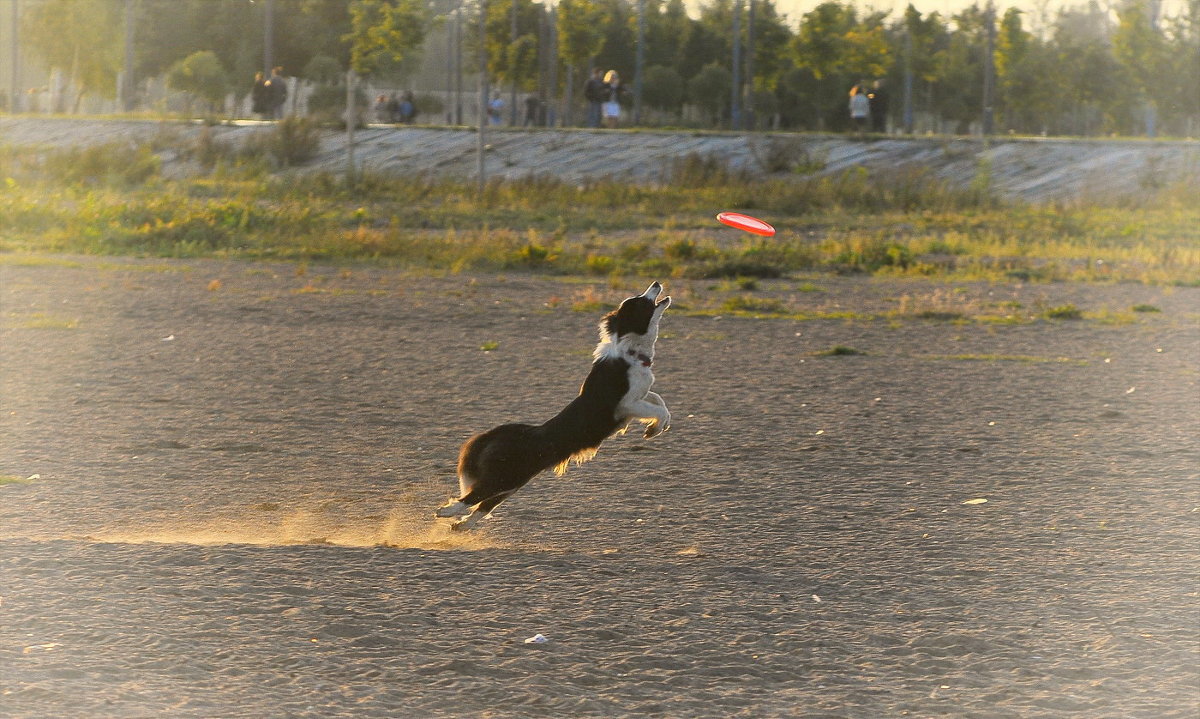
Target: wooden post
351	121
481	144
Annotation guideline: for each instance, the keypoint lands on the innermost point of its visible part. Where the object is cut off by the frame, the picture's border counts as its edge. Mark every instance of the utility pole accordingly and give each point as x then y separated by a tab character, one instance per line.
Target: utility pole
458	63
735	105
351	121
14	104
512	71
269	38
449	106
481	143
639	63
748	104
908	80
989	70
735	99
552	110
127	93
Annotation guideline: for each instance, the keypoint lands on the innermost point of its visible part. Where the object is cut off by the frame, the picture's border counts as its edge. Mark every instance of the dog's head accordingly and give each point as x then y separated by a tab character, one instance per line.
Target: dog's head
634	325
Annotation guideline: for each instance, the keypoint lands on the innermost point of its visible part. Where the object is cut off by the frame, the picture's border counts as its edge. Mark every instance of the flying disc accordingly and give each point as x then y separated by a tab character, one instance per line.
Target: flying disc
747	223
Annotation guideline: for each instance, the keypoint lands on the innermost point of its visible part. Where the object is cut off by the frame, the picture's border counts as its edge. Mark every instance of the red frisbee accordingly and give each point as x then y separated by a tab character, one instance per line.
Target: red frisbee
747	223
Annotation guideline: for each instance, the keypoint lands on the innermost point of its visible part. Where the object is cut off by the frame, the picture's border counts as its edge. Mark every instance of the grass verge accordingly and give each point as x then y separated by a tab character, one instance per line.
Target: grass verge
114	200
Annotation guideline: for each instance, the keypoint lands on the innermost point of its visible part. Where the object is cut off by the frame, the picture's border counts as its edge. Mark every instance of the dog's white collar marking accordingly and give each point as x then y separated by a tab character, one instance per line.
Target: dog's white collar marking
645	359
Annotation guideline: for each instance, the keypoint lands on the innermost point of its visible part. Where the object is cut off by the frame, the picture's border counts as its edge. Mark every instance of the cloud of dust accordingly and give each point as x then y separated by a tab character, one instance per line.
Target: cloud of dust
405	528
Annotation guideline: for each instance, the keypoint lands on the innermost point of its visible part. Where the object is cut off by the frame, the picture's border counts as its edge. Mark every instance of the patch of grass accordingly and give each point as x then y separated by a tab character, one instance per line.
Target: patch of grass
489	346
27	260
6	479
839	351
754	305
43	321
1062	312
900	223
1027	359
1145	308
940	315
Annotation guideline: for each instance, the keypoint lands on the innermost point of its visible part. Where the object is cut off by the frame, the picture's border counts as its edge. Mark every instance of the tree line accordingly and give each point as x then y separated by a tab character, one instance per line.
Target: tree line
1088	69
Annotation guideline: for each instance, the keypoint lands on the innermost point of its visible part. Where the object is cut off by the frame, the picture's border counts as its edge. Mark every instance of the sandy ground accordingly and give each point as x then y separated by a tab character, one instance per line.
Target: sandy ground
236	466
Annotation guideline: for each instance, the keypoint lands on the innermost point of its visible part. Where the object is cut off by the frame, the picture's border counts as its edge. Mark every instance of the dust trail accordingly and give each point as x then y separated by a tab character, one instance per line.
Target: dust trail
407	526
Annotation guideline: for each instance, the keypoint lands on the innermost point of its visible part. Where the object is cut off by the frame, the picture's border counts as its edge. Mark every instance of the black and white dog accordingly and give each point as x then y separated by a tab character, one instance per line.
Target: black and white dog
496	463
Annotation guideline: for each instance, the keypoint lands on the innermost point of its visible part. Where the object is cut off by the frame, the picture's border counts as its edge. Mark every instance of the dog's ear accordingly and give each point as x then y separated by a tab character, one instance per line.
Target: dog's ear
608	328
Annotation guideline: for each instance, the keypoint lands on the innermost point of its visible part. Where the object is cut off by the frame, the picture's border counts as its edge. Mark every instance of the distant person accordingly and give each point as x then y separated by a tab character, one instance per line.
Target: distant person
260	100
595	92
278	92
860	107
533	111
612	100
495	109
382	112
878	100
408	107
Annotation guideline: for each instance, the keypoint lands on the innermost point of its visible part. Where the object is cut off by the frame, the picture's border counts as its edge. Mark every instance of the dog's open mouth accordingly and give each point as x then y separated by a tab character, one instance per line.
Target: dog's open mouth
654	293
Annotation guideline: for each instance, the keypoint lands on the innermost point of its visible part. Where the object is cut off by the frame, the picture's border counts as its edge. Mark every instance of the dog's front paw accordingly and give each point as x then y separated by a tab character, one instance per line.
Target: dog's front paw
453	508
465	524
654	429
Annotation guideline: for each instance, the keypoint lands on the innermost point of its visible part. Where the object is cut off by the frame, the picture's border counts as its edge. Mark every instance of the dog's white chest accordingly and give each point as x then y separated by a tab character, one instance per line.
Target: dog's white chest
640	381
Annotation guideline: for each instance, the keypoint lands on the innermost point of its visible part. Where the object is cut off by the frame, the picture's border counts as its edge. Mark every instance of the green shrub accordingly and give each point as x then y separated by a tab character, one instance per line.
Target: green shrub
600	264
695	171
683	249
1063	312
839	351
291	141
532	255
116	162
732	268
744	303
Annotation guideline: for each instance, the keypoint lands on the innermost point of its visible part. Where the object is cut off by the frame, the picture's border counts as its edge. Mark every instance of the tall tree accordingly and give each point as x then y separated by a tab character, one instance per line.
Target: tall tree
200	74
1026	97
580	38
580	31
385	33
80	38
839	49
620	39
1183	101
1143	53
508	58
1088	77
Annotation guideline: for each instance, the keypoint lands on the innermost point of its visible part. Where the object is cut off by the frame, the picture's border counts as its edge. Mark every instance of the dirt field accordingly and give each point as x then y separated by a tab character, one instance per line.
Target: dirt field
232	469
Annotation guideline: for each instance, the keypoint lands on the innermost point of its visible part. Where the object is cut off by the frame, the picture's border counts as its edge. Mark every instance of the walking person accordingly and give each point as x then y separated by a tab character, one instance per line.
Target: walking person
260	101
612	101
878	98
495	109
594	91
407	107
277	92
860	107
533	111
